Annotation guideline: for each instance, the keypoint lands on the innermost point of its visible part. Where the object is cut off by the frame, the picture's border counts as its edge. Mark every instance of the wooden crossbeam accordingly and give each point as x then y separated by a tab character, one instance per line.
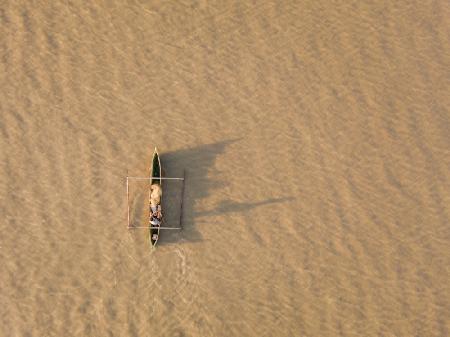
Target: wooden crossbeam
155	178
150	178
140	227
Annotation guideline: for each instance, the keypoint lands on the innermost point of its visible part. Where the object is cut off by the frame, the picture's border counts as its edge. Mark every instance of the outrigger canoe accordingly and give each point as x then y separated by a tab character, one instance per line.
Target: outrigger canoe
155	178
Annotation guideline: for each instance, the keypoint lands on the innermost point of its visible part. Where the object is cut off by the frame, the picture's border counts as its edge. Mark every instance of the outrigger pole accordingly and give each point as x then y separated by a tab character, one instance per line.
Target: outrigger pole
128	204
182	198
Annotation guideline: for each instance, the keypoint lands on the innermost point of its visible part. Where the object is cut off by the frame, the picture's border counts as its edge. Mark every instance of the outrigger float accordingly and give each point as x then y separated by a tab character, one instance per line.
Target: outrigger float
155	177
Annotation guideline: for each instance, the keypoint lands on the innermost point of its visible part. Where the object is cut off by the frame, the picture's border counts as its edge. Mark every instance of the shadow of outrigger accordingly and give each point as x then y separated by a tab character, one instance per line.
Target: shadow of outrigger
179	213
198	160
229	206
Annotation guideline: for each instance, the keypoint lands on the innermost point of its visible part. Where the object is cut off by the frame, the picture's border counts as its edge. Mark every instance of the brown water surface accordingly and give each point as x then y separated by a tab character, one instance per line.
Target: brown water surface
315	136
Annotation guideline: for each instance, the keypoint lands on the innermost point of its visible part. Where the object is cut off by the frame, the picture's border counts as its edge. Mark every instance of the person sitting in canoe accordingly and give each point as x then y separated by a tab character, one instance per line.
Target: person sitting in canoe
156	211
155	222
155	207
156	193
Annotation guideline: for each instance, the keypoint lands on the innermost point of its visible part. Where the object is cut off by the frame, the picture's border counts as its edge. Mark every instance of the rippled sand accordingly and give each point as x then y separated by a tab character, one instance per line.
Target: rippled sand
315	136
